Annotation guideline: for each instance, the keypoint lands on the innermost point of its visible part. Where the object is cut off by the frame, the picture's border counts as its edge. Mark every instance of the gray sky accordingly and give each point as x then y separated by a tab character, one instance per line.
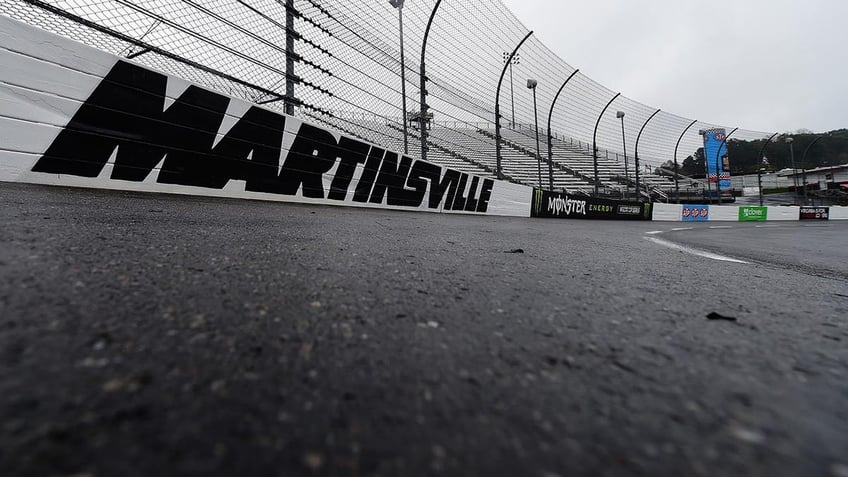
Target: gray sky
765	65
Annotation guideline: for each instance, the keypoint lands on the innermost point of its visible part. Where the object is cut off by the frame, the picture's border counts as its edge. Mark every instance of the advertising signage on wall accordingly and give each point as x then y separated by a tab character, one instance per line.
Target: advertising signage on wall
125	117
564	206
753	214
695	213
815	213
715	155
71	115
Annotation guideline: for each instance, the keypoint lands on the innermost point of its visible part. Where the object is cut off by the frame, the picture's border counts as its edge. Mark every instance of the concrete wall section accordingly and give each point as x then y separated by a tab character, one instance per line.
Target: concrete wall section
724	213
75	116
667	212
510	199
783	213
839	213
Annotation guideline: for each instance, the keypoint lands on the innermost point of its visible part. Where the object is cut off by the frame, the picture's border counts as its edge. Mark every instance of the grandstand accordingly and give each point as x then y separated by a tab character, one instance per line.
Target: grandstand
339	64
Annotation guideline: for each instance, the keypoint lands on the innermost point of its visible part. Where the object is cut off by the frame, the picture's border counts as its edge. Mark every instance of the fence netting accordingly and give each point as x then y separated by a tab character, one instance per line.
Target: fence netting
339	63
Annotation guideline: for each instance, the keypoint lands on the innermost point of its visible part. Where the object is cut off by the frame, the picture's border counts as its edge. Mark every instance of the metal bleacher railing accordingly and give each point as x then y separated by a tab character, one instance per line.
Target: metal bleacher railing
338	63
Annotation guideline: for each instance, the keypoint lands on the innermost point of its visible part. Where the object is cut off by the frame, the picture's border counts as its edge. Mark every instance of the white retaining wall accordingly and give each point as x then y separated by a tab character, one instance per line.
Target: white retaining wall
64	110
667	212
69	116
783	213
727	213
721	213
839	213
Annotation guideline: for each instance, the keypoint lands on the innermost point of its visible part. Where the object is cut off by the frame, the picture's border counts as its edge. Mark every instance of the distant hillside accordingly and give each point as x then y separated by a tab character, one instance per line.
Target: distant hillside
831	149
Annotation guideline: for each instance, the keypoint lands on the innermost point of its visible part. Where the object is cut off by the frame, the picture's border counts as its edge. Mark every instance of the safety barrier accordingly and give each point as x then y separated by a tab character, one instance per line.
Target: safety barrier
704	213
76	116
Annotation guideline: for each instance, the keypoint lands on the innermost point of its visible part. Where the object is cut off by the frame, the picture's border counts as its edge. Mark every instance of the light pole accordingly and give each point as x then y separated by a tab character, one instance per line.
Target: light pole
595	141
790	140
550	137
498	107
804	161
531	83
702	133
290	54
620	115
636	154
516	60
676	168
720	166
760	168
422	119
399	5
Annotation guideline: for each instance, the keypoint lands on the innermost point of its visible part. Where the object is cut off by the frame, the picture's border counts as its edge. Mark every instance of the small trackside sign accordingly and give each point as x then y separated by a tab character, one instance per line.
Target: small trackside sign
753	214
695	213
565	206
815	213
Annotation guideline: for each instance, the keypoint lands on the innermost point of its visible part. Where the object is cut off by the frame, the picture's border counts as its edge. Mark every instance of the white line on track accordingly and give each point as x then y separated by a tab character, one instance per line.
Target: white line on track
678	229
721	226
694	251
654	232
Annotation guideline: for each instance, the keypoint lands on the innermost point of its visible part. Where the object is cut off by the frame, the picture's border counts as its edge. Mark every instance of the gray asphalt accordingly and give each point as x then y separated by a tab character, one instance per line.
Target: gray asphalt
169	335
818	248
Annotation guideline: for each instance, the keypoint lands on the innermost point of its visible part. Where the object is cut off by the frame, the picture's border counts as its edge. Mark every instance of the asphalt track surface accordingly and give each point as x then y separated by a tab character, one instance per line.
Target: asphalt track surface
169	335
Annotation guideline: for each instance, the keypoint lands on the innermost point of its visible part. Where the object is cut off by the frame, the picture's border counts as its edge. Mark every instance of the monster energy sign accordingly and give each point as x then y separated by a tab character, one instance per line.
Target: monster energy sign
565	206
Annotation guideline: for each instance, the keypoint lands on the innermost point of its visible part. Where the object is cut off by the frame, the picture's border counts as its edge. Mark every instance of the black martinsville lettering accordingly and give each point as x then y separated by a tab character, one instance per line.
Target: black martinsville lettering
126	116
447	183
418	176
259	132
190	129
471	202
391	179
351	153
485	195
460	200
127	111
369	175
312	155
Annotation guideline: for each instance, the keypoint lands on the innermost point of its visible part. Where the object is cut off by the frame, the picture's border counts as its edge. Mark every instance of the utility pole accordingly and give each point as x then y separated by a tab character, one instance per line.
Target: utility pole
289	103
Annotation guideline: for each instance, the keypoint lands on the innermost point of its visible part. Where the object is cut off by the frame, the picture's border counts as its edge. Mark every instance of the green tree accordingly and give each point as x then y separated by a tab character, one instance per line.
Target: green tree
694	165
667	165
831	149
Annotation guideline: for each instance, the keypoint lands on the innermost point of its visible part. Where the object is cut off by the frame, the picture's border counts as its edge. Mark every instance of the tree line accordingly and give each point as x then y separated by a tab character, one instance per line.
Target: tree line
830	150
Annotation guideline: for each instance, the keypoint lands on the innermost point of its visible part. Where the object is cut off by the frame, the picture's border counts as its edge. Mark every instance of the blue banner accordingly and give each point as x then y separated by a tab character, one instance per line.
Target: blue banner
715	155
695	213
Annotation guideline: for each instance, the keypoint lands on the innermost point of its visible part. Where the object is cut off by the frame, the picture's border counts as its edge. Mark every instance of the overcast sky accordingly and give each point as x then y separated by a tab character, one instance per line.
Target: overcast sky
764	65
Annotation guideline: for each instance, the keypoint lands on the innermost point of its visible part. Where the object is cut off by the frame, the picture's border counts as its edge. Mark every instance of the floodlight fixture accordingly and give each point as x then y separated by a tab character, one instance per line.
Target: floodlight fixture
531	84
399	5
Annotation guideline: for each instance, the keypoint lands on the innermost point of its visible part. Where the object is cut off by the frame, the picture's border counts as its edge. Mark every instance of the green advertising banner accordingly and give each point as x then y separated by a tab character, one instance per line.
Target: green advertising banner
753	214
